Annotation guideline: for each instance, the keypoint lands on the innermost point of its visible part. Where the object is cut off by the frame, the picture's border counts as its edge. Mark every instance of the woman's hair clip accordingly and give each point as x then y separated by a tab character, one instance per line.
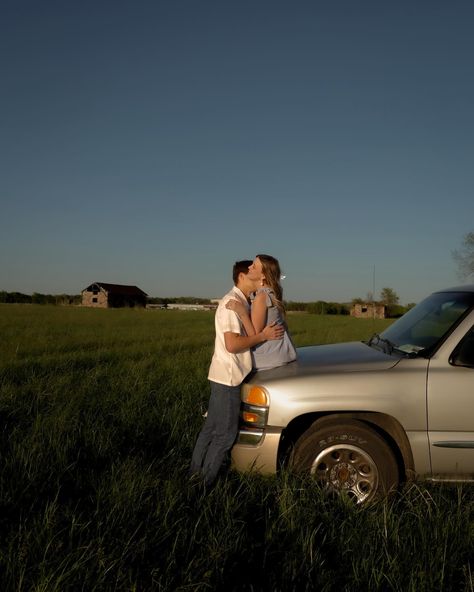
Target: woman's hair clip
282	277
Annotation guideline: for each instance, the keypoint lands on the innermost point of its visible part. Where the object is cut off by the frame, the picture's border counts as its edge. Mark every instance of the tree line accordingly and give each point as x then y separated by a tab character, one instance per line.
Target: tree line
319	307
36	298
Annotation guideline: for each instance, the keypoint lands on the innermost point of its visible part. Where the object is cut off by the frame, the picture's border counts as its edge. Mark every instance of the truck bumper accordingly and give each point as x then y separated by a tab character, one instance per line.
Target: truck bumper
260	456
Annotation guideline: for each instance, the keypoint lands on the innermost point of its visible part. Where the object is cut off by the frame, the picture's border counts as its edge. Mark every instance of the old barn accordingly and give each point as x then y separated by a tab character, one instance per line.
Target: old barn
368	310
102	295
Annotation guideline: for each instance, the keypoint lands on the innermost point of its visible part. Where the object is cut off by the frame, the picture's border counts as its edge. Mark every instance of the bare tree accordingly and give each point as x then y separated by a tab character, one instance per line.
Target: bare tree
464	257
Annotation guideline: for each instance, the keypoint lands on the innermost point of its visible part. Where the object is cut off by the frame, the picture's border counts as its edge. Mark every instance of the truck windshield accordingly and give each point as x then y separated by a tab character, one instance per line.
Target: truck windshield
424	326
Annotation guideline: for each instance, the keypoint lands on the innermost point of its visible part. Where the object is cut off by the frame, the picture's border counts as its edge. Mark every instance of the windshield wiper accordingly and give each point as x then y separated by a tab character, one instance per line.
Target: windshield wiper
386	345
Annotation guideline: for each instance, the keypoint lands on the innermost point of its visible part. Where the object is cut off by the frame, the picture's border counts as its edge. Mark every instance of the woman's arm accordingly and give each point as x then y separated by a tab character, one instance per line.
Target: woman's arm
236	344
243	314
259	311
255	322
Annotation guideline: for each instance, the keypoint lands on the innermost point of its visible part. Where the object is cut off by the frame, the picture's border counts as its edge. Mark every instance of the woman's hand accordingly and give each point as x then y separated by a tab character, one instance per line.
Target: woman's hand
237	307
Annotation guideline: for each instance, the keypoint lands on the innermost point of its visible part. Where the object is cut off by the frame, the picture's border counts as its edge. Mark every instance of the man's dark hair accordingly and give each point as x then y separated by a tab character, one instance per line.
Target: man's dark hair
240	267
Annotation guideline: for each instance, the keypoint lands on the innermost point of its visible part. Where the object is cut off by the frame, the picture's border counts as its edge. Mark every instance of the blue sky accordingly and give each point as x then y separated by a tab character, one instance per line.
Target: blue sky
155	142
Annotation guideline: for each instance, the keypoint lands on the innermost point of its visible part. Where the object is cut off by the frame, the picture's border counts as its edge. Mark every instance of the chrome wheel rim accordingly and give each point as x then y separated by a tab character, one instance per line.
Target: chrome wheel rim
347	469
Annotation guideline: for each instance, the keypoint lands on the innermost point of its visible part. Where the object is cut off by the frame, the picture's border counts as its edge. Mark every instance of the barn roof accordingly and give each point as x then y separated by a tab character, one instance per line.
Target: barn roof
117	289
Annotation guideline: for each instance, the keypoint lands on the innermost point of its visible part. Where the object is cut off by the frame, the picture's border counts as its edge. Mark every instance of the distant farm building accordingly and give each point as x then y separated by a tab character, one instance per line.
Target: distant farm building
369	310
100	295
179	306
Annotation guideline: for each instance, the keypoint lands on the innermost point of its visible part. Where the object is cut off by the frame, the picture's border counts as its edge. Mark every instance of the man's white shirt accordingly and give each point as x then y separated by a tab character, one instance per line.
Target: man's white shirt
227	368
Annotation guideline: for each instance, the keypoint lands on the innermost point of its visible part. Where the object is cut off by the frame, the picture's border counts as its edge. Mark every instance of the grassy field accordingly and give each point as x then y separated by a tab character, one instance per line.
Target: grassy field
99	411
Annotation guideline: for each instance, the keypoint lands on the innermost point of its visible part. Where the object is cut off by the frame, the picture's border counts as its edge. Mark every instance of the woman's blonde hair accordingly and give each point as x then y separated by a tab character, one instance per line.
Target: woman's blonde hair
272	272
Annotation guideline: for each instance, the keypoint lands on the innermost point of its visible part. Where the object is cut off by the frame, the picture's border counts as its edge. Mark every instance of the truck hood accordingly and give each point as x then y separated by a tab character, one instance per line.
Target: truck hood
336	358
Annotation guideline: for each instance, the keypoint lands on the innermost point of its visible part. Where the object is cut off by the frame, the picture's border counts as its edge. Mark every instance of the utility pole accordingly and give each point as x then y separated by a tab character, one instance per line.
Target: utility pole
373	292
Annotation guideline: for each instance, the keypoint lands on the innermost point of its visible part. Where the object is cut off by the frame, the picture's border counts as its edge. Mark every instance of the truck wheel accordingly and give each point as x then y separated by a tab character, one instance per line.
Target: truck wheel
348	457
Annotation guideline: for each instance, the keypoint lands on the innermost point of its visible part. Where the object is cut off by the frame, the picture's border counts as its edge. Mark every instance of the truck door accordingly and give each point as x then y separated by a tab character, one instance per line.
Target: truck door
450	406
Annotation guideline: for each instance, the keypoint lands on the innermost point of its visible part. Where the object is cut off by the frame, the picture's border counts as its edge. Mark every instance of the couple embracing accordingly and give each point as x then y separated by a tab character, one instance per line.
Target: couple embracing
248	336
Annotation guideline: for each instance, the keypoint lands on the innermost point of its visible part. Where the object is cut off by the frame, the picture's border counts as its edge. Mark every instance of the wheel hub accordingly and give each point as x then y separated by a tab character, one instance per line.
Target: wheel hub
347	468
343	476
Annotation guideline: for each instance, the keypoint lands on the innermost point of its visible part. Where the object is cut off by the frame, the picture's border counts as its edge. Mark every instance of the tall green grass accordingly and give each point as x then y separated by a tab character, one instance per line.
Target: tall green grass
99	411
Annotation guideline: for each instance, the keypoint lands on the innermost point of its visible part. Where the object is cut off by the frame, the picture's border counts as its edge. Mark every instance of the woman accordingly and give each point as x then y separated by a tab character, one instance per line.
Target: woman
266	308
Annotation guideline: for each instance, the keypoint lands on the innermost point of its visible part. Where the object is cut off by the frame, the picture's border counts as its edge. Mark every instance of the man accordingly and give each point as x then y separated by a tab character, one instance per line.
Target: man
230	364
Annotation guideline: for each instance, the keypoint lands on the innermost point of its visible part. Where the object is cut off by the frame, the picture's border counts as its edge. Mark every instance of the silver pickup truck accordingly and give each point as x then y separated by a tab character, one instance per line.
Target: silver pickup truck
362	417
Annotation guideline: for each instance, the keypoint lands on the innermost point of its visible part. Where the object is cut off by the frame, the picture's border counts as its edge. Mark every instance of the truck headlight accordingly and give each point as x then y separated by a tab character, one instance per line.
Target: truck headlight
256	395
254	411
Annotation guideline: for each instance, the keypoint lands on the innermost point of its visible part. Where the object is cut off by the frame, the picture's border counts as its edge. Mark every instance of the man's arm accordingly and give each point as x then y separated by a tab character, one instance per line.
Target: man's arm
235	343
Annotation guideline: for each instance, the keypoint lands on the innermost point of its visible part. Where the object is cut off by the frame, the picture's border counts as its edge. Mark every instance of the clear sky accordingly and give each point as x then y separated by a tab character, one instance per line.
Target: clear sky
155	142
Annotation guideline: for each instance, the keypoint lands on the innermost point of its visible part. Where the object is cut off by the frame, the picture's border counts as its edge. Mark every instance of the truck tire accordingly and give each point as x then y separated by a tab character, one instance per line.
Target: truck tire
347	456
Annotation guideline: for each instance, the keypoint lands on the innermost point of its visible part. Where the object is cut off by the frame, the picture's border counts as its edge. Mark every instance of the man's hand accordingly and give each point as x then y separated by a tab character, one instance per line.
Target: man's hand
273	331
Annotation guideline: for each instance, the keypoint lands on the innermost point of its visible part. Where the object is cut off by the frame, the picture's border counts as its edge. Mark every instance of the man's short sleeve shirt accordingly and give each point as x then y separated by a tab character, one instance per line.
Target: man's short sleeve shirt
227	368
